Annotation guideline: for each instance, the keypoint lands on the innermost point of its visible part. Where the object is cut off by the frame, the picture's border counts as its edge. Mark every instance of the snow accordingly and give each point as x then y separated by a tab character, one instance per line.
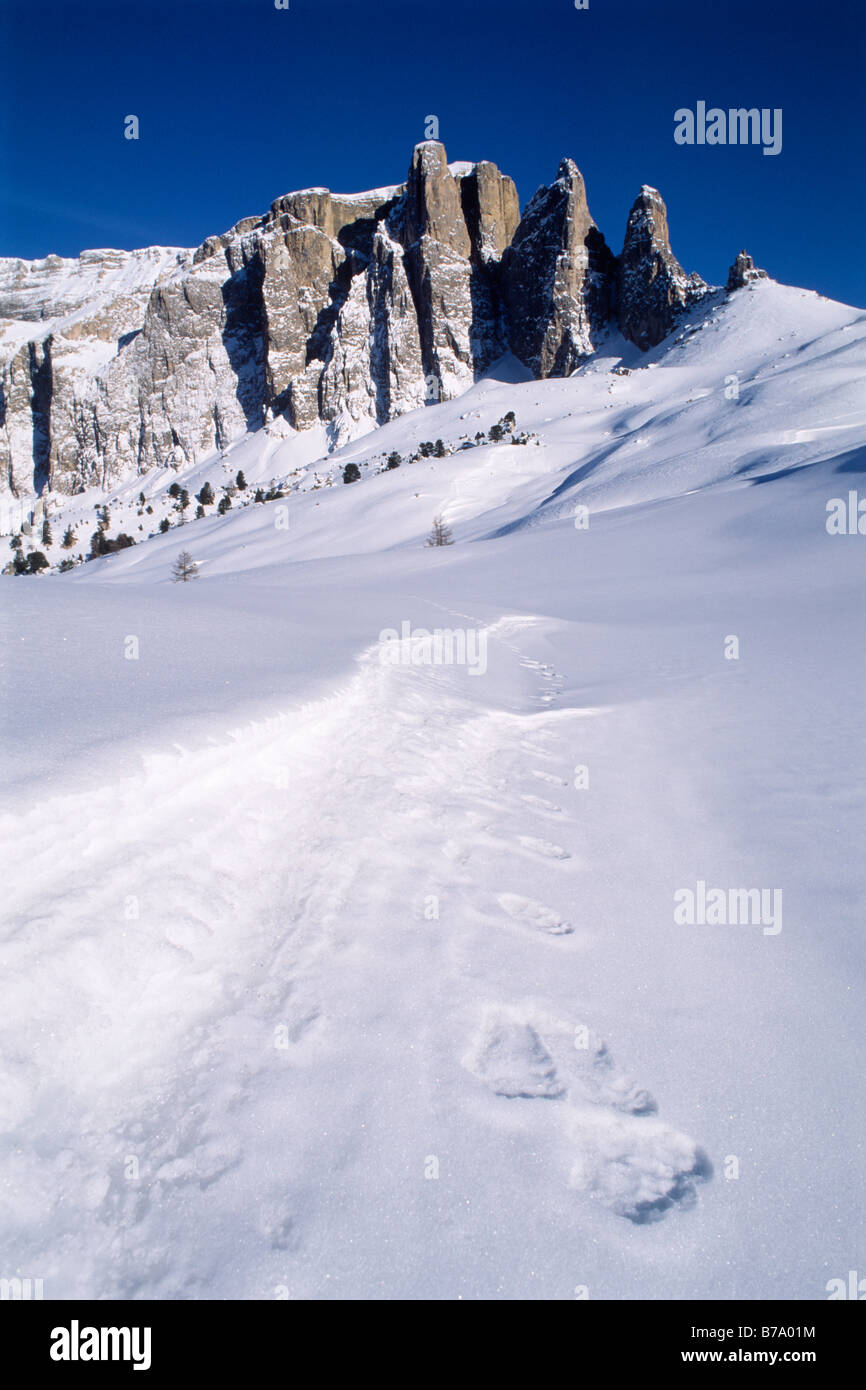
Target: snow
382	195
333	976
77	290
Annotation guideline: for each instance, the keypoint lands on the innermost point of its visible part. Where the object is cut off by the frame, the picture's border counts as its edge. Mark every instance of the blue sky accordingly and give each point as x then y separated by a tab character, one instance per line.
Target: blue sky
239	102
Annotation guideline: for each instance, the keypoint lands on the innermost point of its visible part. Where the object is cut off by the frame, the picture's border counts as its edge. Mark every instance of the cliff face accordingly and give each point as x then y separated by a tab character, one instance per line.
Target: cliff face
652	288
557	278
349	310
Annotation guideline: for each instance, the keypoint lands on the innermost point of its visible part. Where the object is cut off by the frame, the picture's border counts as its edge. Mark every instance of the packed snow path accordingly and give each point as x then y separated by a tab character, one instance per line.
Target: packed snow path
297	1012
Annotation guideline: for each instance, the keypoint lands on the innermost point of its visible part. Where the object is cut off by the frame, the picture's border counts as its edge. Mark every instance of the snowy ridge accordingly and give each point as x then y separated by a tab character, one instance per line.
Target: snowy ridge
347	311
600	439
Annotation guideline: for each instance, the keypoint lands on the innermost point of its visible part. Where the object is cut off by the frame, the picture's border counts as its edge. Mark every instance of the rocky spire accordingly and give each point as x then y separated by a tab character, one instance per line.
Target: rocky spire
433	201
743	272
557	278
455	301
491	208
652	287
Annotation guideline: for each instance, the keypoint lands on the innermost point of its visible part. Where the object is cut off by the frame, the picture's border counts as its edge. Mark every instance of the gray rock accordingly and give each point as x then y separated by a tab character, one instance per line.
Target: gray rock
743	272
652	287
557	278
346	309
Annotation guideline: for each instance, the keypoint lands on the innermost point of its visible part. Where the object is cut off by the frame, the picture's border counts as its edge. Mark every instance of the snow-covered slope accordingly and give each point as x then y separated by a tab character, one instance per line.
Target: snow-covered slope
65	296
331	976
765	378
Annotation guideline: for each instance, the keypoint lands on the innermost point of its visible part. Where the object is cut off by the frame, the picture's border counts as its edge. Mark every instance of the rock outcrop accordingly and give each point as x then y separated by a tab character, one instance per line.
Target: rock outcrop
652	287
346	310
743	272
558	278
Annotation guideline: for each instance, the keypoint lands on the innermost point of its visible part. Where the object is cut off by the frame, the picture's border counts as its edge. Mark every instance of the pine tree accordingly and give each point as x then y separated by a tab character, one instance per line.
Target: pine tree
351	473
165	525
439	449
440	533
69	538
497	434
36	561
174	491
199	512
184	568
394	460
240	480
260	496
206	496
224	504
47	538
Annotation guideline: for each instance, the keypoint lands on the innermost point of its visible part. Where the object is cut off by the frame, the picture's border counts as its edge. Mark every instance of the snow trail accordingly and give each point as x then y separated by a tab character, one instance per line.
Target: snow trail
274	942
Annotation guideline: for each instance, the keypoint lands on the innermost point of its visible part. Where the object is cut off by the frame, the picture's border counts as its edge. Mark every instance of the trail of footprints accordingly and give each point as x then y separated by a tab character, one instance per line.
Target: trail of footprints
621	1154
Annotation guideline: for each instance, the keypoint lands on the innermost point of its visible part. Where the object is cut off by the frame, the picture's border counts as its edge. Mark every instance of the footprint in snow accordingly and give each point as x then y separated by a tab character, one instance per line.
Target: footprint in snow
639	1168
540	803
533	914
545	848
511	1059
549	777
622	1155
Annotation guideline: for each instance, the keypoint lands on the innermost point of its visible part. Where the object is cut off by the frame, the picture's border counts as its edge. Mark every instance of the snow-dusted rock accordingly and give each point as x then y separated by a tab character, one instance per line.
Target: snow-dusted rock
743	272
557	278
652	286
345	309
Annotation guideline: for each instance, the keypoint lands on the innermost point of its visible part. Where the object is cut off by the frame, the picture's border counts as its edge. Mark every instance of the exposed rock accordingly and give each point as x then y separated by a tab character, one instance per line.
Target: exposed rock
491	209
557	278
653	289
348	309
433	206
438	248
743	272
374	367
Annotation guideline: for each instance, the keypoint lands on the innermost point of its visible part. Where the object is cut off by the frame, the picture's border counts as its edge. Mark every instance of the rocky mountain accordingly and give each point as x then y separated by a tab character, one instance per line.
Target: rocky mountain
652	288
347	310
743	272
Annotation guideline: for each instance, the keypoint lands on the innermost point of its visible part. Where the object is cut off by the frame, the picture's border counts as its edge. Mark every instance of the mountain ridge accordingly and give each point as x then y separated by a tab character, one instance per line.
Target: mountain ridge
346	310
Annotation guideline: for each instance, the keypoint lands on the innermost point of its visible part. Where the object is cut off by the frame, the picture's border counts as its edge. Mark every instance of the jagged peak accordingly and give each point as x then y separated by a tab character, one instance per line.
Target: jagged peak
653	288
743	272
428	151
647	220
568	169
